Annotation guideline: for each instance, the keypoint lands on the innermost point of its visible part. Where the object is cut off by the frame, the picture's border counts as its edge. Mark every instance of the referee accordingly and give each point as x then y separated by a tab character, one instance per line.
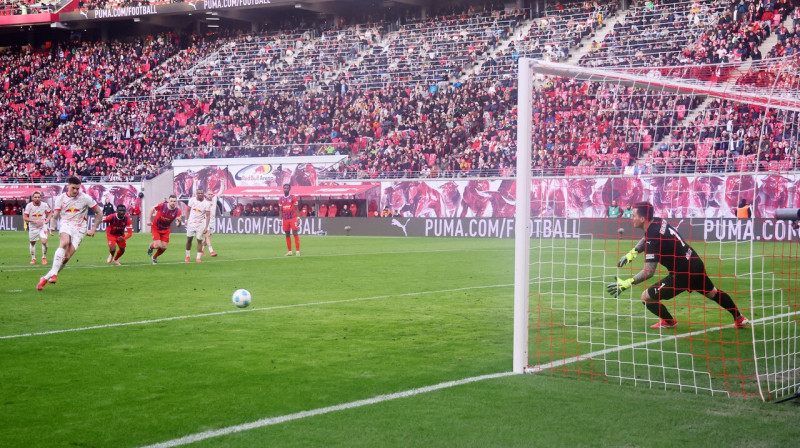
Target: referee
663	244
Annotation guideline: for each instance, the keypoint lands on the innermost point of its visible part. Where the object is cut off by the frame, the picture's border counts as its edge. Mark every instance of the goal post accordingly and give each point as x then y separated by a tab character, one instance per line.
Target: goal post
567	248
522	227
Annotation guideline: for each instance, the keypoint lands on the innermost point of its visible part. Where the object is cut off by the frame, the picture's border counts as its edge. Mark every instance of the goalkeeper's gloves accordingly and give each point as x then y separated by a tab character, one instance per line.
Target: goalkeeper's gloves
616	288
627	258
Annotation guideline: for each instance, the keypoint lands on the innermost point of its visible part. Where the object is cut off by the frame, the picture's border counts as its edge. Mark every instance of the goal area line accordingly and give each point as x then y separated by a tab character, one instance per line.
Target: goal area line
321	411
412	392
560	363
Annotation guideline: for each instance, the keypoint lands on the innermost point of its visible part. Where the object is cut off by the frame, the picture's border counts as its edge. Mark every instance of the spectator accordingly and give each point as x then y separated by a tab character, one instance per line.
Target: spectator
744	211
613	210
108	208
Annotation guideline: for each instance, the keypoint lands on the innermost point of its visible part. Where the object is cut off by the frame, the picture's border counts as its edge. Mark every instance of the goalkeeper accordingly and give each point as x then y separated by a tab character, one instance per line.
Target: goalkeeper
662	244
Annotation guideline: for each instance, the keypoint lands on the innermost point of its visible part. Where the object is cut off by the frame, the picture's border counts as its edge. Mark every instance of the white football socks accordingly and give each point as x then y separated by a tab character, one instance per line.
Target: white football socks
58	261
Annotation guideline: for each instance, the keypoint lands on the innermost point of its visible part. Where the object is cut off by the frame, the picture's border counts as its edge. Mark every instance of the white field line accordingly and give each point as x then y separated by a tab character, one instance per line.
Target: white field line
270	308
192	438
304	414
562	362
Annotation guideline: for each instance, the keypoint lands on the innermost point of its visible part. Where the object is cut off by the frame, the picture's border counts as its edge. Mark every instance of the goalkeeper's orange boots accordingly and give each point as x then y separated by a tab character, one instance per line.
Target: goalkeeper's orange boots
665	323
741	322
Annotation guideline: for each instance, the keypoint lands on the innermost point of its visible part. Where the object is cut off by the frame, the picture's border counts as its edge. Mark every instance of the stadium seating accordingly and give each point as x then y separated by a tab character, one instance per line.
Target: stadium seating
18	7
432	98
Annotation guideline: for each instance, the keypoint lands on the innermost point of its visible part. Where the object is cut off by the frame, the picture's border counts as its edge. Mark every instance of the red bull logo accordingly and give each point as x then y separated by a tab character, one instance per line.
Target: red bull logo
255	173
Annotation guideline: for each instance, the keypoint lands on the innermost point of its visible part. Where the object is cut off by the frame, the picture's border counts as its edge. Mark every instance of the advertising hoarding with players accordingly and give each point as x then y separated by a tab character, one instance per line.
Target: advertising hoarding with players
678	196
117	193
217	174
702	196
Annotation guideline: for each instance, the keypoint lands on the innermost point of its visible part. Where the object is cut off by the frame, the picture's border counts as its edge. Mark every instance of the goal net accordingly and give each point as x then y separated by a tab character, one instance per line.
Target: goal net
703	145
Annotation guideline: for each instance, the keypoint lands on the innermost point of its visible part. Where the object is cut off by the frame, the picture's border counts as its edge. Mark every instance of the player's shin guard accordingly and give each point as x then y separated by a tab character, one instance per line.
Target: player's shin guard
288	243
58	261
658	309
724	300
44	250
296	243
32	248
159	252
119	253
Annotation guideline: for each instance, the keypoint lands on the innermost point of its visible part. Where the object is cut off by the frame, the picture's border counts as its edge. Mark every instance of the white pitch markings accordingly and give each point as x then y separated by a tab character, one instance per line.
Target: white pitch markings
220	313
313	413
563	362
382	398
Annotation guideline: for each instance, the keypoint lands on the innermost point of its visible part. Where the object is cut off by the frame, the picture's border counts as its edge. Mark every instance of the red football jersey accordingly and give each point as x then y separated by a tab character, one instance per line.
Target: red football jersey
165	216
288	207
117	226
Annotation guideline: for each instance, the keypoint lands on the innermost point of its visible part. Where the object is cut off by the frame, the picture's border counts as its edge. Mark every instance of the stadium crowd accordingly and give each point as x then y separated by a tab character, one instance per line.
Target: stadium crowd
111	4
53	118
19	7
433	97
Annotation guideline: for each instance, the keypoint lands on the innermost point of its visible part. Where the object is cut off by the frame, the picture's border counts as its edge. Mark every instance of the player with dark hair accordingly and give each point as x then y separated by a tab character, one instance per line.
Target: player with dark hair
72	207
662	244
120	228
288	208
197	221
160	220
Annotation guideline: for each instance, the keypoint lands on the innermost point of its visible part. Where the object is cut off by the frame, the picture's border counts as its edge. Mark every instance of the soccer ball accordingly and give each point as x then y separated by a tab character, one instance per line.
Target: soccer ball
241	298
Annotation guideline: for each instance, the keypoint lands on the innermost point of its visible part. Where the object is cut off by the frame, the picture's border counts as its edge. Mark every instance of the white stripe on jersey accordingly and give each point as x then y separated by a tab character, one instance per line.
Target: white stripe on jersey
74	210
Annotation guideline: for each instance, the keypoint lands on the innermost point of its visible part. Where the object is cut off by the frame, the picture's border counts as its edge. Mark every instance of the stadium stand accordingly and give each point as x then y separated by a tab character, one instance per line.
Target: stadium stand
431	97
19	7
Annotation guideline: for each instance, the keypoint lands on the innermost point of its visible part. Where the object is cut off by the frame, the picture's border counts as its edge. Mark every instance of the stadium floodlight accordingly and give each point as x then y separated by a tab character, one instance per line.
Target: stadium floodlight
694	141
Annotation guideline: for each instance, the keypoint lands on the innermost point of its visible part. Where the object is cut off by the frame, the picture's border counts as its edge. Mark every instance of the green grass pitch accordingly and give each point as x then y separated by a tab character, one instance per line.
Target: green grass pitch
140	354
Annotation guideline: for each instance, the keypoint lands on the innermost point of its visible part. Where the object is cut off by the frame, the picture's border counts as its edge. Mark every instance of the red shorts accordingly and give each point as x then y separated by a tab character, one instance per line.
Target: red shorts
290	224
112	241
160	235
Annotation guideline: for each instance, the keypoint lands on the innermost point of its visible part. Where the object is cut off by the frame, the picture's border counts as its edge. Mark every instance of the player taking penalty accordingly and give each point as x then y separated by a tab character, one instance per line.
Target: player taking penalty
120	228
687	272
288	206
160	220
72	207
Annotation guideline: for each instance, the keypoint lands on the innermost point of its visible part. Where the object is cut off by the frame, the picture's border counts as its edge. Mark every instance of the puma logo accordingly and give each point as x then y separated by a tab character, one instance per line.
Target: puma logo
396	223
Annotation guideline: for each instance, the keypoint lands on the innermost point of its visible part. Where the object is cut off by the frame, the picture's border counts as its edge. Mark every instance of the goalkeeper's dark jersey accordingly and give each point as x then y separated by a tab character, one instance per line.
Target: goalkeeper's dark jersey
663	244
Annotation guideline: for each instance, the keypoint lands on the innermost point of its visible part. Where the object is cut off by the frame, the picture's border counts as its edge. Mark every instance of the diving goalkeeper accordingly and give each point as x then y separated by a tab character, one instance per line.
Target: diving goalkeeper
663	244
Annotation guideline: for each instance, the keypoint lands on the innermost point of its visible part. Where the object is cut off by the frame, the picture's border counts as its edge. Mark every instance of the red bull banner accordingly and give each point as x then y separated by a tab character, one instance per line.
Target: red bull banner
219	174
